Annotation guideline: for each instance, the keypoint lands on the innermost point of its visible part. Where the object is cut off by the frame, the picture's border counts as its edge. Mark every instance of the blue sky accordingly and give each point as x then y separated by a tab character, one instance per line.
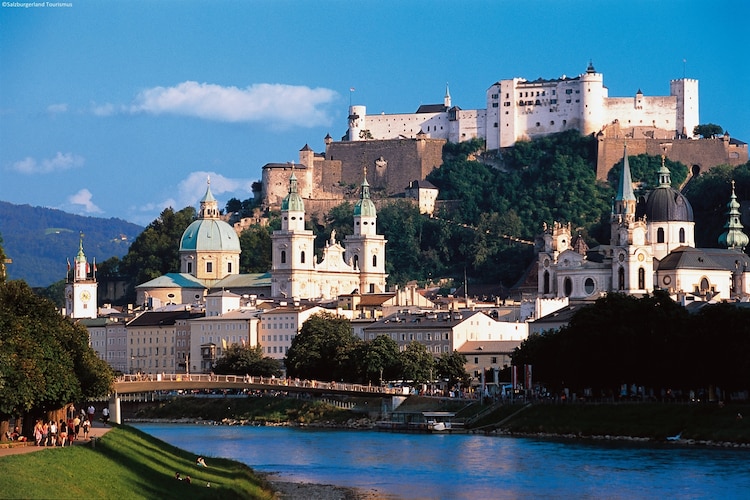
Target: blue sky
120	109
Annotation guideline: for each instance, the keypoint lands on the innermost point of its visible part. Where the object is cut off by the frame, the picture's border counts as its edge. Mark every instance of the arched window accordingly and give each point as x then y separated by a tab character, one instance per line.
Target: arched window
374	261
302	257
660	235
641	278
704	285
283	256
356	262
682	235
546	282
621	278
568	287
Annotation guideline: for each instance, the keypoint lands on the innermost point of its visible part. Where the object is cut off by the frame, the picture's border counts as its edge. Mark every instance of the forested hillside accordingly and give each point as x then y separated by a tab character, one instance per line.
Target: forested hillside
39	240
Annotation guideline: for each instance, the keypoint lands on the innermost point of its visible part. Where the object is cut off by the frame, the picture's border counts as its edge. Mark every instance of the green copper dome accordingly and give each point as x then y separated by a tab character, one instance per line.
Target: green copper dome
293	201
209	235
365	207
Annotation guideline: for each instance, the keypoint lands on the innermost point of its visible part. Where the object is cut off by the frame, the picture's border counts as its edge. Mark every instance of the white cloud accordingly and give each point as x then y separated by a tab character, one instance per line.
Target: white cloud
271	103
57	108
103	109
60	162
83	199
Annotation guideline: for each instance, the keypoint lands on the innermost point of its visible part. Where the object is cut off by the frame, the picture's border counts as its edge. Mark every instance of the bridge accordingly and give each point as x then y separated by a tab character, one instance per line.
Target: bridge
130	384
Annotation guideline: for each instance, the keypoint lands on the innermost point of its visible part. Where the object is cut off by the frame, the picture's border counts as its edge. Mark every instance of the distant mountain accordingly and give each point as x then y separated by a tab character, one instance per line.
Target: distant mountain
40	240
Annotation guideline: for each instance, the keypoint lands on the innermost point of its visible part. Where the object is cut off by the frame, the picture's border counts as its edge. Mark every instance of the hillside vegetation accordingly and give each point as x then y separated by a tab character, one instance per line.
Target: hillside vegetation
39	240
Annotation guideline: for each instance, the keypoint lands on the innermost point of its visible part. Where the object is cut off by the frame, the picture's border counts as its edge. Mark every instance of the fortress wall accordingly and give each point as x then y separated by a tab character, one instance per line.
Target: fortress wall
405	160
658	112
703	153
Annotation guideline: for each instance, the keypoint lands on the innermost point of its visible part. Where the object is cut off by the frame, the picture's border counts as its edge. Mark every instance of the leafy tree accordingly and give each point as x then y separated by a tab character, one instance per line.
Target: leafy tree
246	360
255	243
323	349
45	360
644	170
156	250
377	360
708	130
233	205
451	366
418	365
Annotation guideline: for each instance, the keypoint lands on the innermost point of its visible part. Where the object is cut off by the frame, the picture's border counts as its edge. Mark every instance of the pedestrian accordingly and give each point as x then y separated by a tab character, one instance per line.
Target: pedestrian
92	412
86	426
63	432
105	415
38	432
76	426
52	433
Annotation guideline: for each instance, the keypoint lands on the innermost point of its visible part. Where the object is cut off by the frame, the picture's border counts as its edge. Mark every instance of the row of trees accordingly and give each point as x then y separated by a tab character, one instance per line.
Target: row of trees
651	342
326	349
45	359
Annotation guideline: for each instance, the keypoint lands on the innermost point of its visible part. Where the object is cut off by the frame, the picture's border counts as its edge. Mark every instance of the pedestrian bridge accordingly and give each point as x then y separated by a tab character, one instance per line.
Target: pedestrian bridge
131	384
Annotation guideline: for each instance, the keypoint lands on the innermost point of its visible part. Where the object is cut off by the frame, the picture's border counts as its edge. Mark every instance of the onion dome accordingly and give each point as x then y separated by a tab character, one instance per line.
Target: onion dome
666	203
293	201
365	207
733	237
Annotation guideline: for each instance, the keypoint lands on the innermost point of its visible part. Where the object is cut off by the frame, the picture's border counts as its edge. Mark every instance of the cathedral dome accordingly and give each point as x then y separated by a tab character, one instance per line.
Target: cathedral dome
209	235
666	204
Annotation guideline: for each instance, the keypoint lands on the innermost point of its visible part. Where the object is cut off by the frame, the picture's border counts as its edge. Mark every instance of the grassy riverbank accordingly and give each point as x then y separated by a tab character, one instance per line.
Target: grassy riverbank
125	463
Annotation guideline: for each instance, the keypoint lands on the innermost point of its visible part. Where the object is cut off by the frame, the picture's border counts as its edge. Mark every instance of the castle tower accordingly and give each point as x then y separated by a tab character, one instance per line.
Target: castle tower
293	252
733	237
365	247
593	93
357	116
688	115
81	293
209	247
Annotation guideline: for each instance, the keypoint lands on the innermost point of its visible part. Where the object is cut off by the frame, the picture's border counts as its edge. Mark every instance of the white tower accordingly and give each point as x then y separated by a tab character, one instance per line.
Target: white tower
365	247
80	294
293	257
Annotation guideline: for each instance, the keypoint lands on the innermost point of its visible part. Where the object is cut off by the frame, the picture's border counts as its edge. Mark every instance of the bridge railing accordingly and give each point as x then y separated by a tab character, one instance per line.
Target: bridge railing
281	383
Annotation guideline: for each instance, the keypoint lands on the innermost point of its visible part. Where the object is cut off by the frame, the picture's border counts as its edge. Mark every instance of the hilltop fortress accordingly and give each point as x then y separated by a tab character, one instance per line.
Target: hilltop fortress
401	148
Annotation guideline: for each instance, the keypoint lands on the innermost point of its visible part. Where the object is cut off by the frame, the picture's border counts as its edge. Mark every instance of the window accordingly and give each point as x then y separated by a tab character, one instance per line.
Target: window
493	360
209	267
568	287
621	278
546	282
189	267
589	286
229	267
682	235
374	261
641	278
476	360
283	256
660	235
302	257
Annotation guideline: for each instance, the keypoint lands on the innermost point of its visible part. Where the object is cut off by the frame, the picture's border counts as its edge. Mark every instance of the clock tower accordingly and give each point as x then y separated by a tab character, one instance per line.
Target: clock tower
80	294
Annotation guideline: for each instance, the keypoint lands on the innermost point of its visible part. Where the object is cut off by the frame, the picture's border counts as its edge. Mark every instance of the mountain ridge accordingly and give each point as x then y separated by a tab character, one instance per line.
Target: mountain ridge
41	240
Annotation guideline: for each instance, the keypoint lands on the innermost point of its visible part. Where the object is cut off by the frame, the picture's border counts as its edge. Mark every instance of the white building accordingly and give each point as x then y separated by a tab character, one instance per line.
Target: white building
279	326
357	267
652	246
519	109
81	293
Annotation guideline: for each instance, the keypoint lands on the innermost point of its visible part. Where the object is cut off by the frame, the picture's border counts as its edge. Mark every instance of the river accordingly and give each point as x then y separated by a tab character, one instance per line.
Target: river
466	466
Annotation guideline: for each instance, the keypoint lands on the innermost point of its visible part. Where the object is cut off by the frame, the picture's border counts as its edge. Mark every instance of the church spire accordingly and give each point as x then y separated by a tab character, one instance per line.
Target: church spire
209	206
733	237
447	98
625	200
81	264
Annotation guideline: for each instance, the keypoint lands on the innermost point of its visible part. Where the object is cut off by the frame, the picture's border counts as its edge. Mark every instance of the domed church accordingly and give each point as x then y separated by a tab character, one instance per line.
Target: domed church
209	247
652	246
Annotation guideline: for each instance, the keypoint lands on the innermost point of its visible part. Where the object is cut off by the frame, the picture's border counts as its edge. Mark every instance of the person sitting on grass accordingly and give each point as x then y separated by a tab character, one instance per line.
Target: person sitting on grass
200	462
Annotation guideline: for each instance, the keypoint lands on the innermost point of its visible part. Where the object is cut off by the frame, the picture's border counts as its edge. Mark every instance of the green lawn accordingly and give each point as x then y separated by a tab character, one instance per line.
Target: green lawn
125	464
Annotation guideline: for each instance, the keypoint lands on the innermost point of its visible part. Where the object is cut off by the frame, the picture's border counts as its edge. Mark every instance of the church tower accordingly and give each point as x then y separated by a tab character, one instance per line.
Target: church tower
293	257
80	294
365	247
733	237
632	258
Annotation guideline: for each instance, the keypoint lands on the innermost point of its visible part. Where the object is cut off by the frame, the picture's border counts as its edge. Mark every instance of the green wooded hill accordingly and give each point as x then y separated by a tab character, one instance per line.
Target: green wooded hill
39	240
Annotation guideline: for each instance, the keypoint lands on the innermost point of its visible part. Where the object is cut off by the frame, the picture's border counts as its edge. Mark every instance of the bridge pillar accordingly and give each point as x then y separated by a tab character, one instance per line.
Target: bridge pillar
115	413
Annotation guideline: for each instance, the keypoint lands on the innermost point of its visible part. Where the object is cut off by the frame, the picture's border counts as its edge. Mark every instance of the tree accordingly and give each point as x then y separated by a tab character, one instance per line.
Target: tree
45	360
418	365
451	366
377	360
156	250
255	243
322	350
246	360
708	130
